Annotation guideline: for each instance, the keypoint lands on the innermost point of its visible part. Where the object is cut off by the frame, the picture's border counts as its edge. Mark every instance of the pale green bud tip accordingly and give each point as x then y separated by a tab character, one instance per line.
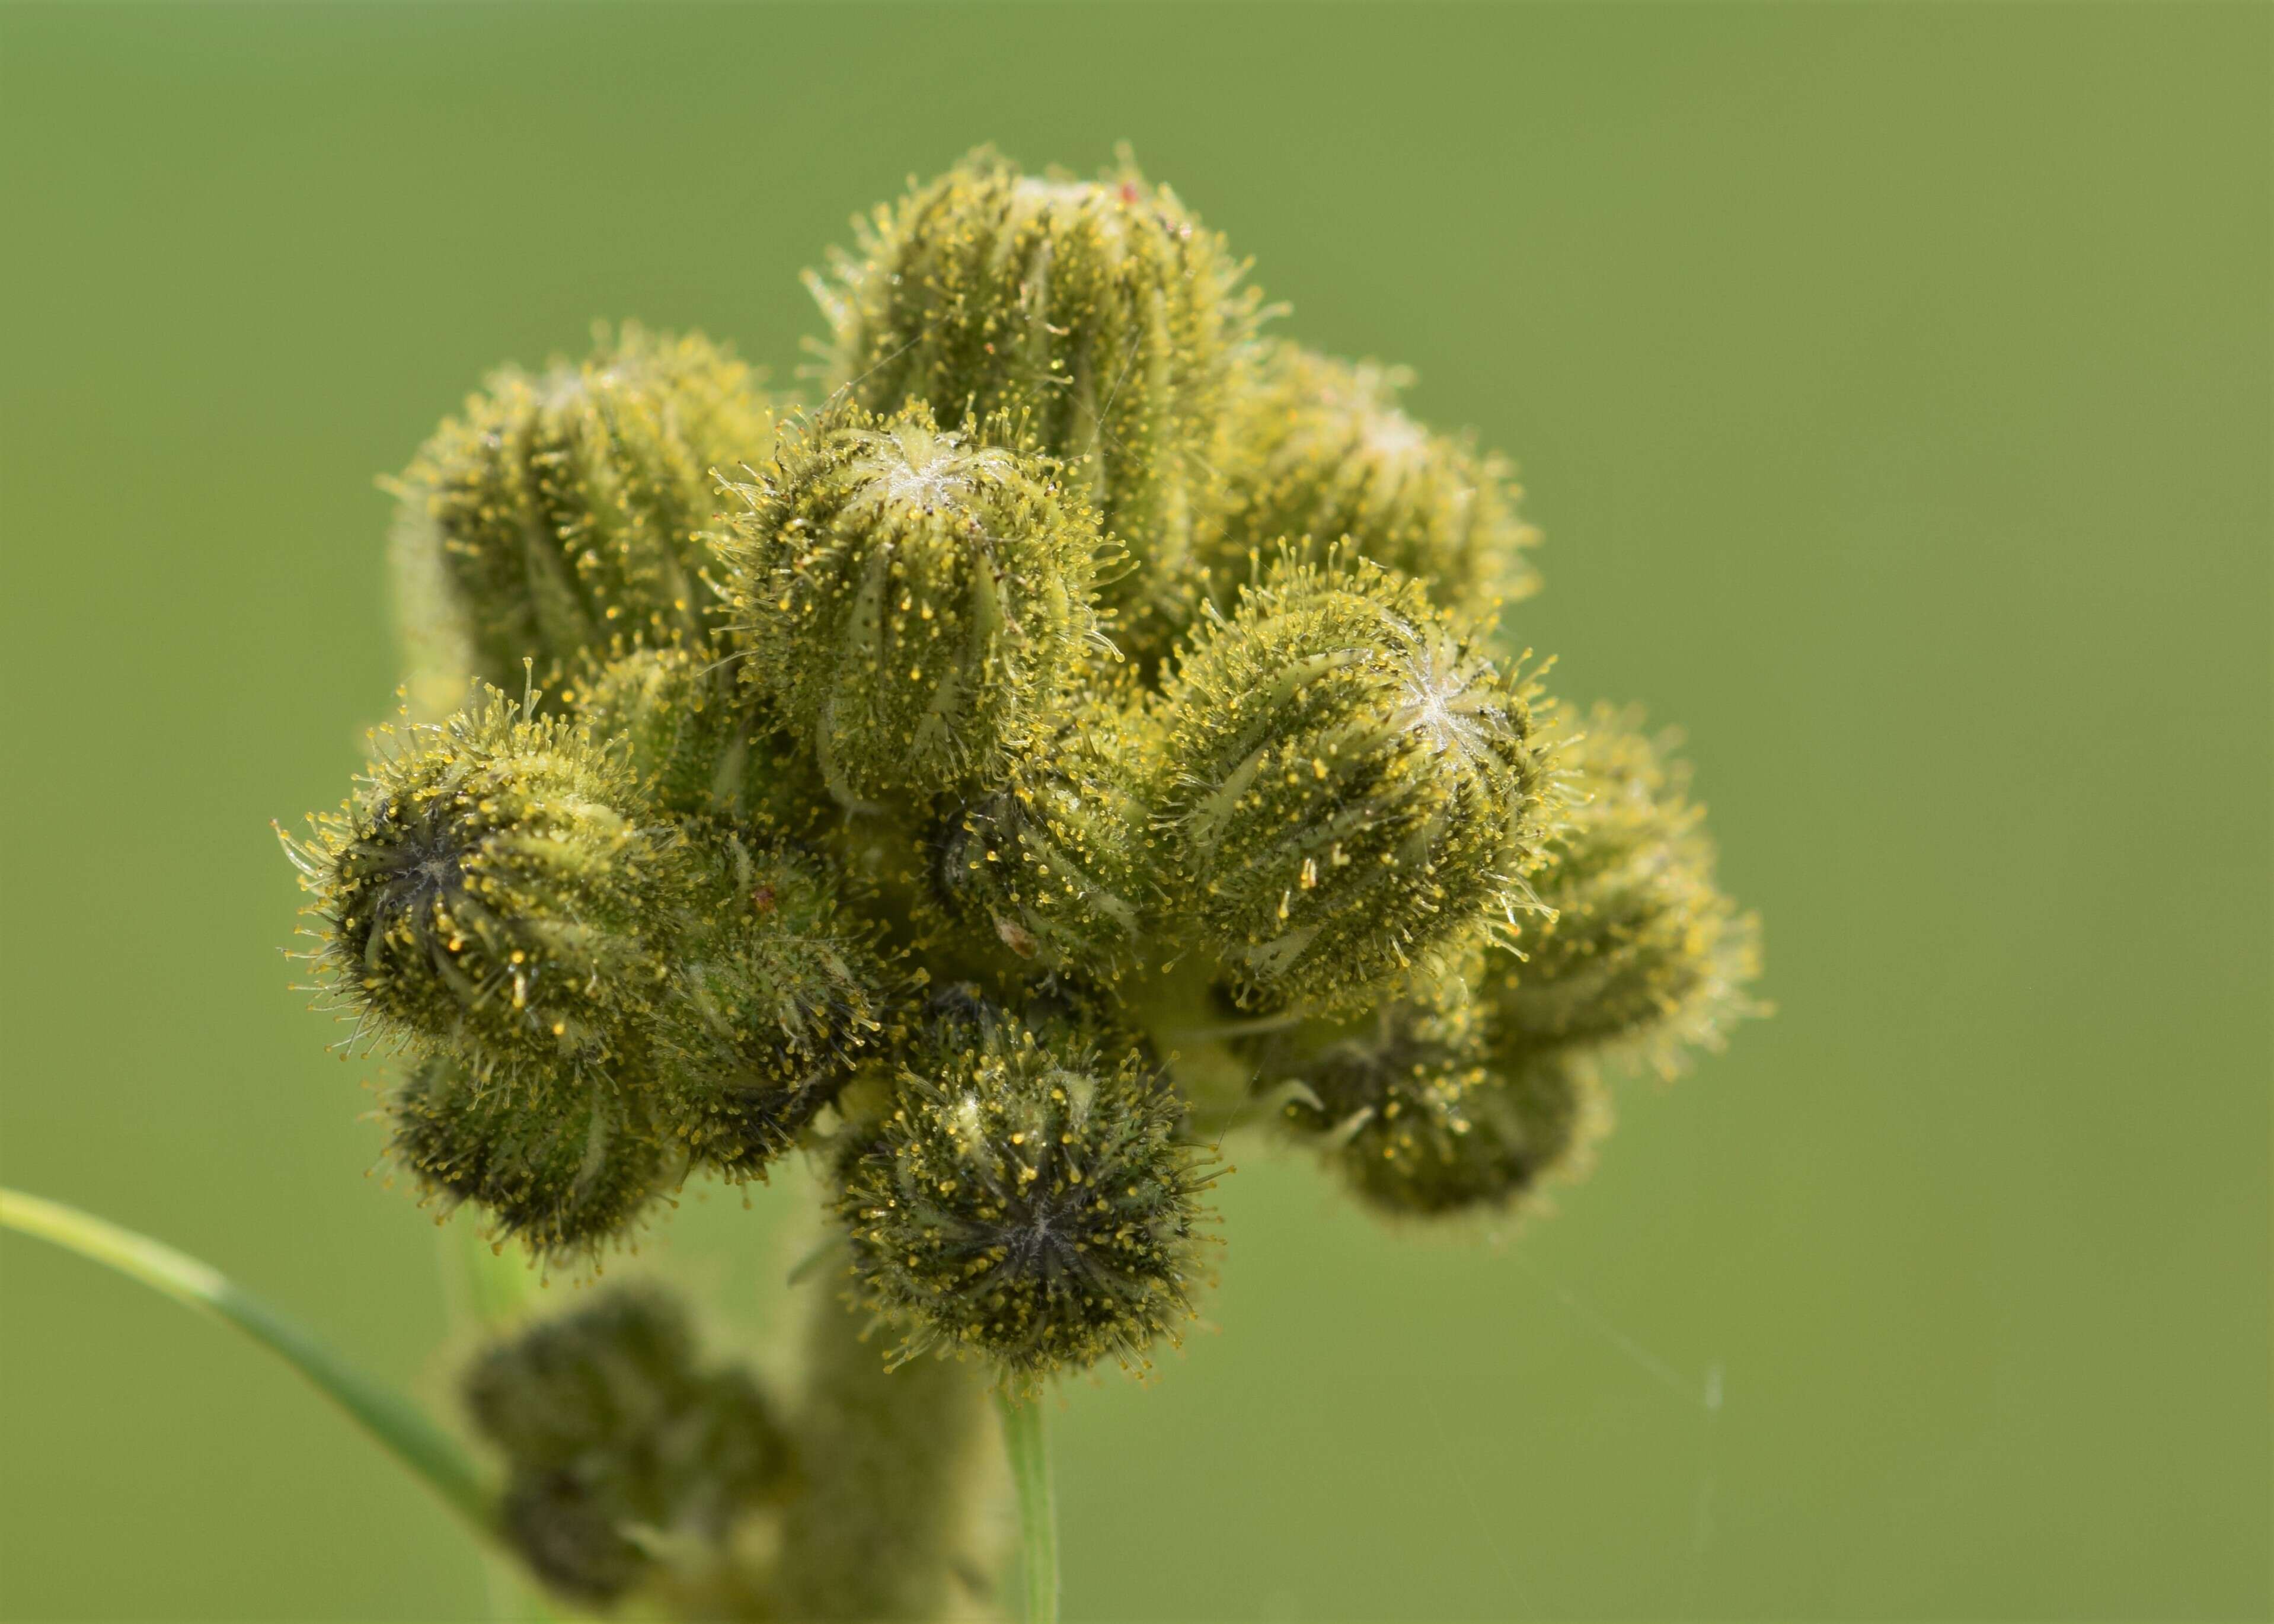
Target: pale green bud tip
911	599
490	886
1352	789
1319	450
777	991
1026	1197
1426	1115
623	1453
1642	945
568	509
1099	313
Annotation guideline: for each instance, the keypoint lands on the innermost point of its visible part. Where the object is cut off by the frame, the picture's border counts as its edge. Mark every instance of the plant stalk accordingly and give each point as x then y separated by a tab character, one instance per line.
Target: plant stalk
392	1421
1026	1439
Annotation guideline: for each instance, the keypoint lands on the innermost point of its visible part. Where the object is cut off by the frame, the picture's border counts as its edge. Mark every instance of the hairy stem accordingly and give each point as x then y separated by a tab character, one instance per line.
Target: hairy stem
893	1520
1026	1439
393	1423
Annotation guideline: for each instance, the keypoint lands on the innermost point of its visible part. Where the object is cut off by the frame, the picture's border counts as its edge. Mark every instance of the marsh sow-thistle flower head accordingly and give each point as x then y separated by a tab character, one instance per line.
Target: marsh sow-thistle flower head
1027	1196
1351	788
912	600
1082	731
565	511
1098	314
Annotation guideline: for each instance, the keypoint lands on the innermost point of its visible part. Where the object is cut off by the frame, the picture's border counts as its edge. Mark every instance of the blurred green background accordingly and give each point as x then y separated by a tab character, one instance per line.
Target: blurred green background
1892	384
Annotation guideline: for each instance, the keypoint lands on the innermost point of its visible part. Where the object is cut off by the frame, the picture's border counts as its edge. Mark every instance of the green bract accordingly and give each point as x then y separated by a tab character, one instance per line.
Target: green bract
912	600
1351	789
1098	315
1027	1196
564	513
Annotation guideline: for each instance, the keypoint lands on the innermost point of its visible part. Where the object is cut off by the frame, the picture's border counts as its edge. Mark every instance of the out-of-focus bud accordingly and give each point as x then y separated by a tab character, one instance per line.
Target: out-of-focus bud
623	1456
564	513
1351	789
1643	945
1027	1196
1425	1114
913	601
1318	450
1099	313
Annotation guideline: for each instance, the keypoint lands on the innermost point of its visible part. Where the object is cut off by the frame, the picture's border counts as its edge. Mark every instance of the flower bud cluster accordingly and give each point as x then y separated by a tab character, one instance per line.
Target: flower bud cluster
623	1455
956	781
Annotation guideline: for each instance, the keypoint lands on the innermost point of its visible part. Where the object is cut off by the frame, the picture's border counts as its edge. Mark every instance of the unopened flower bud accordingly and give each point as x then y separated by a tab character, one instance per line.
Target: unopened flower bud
775	991
1350	787
559	1156
915	602
1318	451
1425	1113
1642	944
1056	864
494	885
697	744
1100	313
622	1455
564	513
1026	1197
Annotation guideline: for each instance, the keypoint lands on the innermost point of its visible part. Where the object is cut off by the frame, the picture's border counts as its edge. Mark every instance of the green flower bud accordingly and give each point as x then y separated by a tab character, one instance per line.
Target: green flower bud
1026	1197
561	1157
492	885
564	513
1426	1115
776	991
1100	313
1642	945
622	1455
1055	864
1351	789
1319	450
698	745
915	602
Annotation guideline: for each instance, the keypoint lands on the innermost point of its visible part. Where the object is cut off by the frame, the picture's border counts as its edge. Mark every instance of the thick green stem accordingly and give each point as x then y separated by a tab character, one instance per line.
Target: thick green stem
891	1521
398	1426
1026	1440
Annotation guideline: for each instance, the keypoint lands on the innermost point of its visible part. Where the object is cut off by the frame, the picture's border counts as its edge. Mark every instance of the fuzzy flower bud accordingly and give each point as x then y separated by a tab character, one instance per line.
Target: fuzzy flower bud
493	886
1027	1196
1426	1115
1319	450
1350	788
1099	312
1642	945
775	991
697	744
564	513
622	1452
1055	865
913	601
561	1158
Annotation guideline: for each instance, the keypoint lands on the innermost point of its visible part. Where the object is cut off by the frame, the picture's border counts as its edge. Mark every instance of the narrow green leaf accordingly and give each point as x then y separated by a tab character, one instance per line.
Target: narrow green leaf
396	1425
